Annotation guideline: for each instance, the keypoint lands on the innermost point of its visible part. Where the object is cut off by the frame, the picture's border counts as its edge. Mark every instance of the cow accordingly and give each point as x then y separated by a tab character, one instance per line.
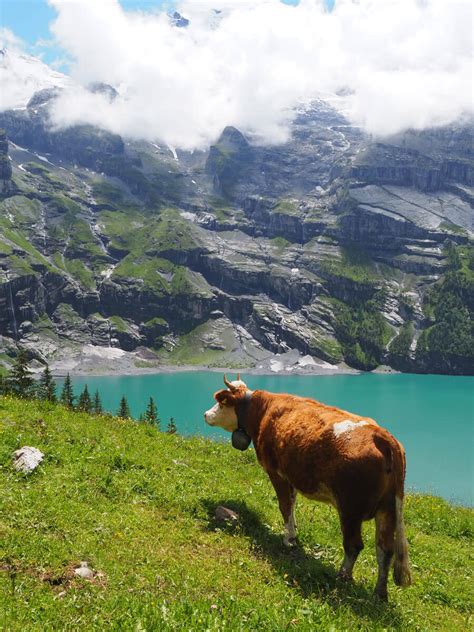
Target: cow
329	455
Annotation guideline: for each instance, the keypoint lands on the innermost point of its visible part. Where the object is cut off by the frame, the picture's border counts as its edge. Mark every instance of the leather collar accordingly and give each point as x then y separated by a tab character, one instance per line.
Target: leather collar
240	438
241	409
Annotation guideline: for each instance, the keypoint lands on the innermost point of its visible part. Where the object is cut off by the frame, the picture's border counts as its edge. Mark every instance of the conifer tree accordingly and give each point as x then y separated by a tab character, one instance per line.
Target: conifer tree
97	405
67	394
47	386
84	402
20	378
4	385
151	413
124	410
171	428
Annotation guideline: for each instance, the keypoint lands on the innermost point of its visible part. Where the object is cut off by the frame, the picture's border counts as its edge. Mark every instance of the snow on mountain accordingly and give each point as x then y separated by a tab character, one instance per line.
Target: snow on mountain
22	75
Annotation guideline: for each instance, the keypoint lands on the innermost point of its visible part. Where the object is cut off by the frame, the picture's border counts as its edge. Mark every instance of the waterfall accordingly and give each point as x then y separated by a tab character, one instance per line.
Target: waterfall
12	308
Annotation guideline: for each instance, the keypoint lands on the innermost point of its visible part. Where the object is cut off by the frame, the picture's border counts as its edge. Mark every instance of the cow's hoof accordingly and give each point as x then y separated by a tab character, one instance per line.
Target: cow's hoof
344	576
382	595
290	543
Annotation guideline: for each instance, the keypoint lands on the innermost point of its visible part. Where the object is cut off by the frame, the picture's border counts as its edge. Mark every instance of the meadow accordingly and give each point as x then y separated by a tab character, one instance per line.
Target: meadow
138	505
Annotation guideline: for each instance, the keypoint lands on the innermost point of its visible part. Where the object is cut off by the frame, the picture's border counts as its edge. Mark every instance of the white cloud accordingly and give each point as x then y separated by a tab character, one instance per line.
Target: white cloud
8	39
22	75
407	63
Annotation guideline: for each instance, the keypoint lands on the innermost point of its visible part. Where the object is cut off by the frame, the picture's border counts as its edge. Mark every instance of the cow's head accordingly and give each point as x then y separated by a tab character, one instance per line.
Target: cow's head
223	414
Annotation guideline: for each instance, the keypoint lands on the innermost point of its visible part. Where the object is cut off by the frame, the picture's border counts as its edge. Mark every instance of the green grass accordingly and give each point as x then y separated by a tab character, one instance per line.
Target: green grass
138	506
170	233
125	229
31	253
280	242
286	207
328	346
83	242
190	350
23	210
355	264
449	227
106	193
149	271
220	207
5	249
47	174
79	271
119	323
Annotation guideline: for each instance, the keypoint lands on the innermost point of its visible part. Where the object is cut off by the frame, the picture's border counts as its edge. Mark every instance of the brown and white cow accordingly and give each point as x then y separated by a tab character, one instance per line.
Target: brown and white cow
325	454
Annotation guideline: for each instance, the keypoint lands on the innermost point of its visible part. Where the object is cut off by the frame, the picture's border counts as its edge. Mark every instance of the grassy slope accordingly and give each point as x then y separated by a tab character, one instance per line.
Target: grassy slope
138	506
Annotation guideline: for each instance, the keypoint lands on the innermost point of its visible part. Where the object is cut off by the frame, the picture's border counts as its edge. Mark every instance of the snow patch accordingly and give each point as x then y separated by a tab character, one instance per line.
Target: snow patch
187	215
173	151
44	159
276	366
308	360
22	75
106	353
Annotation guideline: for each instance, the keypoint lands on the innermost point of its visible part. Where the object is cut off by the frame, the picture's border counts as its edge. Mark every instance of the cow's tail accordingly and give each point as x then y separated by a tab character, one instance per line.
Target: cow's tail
401	564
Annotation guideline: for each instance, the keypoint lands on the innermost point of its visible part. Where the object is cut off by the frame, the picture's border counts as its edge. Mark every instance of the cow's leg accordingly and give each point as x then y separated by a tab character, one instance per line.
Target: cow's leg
353	545
385	542
286	495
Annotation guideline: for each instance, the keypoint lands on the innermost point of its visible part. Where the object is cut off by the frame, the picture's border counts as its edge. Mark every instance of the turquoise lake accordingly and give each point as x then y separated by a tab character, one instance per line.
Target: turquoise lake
432	415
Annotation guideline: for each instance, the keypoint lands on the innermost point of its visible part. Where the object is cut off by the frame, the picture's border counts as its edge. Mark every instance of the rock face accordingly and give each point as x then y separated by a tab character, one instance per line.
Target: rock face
5	165
330	244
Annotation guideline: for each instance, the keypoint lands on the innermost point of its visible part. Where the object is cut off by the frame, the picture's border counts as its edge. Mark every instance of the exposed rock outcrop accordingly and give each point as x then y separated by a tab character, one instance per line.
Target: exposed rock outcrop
244	250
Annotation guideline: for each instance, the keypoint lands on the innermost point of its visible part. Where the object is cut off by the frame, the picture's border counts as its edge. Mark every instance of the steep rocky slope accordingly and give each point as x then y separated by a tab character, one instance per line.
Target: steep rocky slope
332	244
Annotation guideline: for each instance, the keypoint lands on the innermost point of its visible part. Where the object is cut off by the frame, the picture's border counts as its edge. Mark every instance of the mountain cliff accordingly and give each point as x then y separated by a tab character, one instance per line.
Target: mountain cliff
333	245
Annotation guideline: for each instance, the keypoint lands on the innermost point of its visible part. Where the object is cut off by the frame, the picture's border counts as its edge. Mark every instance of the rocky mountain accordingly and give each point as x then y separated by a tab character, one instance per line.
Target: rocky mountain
333	246
22	75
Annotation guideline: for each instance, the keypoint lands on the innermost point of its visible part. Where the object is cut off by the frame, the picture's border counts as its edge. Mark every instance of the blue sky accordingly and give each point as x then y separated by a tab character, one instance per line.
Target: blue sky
29	19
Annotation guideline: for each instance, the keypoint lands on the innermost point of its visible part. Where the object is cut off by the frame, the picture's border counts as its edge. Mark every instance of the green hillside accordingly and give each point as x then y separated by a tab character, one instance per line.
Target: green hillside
138	505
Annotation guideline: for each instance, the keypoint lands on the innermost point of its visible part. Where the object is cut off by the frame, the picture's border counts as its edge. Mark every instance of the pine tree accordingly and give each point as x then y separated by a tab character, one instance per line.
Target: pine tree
124	410
452	253
171	428
4	385
85	403
97	405
20	378
151	414
47	386
67	394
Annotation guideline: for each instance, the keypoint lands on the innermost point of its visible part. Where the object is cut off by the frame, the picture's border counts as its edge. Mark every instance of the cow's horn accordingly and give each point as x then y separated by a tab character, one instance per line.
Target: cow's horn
229	384
238	377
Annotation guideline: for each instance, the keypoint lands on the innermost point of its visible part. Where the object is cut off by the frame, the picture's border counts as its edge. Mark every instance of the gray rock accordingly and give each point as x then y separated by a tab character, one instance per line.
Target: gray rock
27	459
224	514
84	571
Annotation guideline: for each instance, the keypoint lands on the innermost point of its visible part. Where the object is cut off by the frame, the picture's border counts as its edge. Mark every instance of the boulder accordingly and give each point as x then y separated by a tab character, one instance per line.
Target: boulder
27	459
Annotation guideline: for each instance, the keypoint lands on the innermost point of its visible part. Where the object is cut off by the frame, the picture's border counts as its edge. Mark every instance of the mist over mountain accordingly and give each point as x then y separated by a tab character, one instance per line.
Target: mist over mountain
400	65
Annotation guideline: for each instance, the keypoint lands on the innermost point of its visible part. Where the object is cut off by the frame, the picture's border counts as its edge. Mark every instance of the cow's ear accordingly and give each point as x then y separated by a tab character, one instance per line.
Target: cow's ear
225	398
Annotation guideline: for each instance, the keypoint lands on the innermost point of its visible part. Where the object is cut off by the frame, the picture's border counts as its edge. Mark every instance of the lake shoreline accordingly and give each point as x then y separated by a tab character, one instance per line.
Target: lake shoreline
97	361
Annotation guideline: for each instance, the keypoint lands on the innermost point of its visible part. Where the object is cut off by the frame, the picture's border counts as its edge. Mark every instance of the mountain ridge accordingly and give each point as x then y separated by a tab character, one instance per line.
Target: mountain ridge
330	245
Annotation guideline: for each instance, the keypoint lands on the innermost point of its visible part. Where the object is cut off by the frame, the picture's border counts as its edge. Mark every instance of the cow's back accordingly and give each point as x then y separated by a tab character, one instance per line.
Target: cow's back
326	453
